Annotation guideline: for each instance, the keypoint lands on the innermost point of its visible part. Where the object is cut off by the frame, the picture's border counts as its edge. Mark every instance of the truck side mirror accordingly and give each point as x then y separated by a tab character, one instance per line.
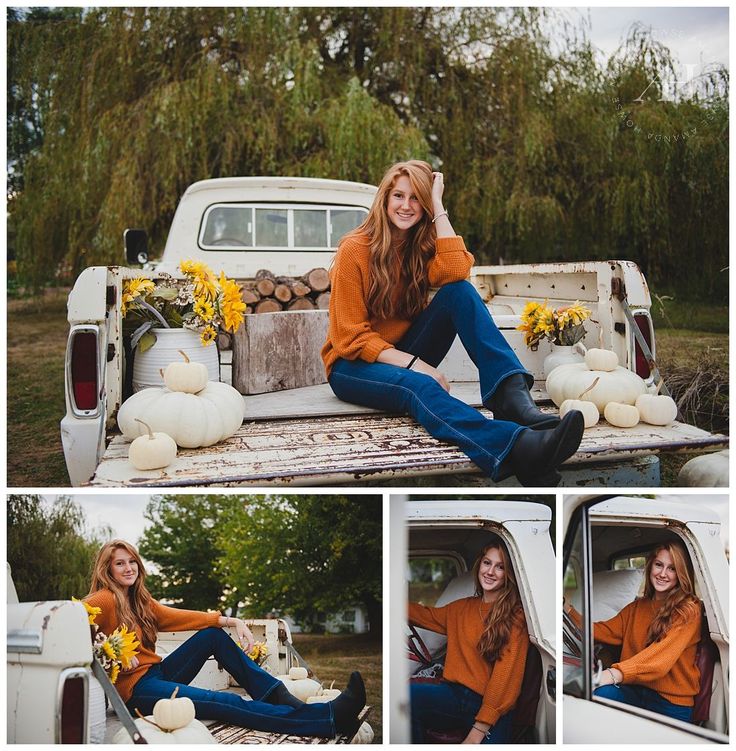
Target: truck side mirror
136	246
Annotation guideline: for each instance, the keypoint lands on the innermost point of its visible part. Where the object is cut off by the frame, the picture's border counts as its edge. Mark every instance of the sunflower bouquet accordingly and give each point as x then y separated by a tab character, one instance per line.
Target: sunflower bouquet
258	652
113	652
201	301
562	326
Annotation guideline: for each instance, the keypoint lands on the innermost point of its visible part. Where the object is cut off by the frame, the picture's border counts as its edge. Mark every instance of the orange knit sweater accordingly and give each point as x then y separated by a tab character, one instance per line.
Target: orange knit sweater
666	666
352	332
500	683
168	619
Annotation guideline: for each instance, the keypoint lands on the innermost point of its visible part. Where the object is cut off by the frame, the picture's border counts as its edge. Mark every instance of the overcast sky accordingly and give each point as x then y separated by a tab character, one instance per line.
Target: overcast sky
696	35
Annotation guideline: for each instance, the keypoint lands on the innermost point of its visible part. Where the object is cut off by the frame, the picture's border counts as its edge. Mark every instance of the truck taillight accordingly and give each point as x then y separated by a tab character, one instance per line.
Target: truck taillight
644	323
72	704
82	370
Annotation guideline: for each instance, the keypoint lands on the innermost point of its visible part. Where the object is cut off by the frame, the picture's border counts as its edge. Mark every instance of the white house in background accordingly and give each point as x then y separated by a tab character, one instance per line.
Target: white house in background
353	620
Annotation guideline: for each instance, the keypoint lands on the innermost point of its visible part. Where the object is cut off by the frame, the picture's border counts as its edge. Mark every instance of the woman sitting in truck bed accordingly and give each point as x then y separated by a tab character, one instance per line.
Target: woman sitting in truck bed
118	588
658	634
487	643
385	341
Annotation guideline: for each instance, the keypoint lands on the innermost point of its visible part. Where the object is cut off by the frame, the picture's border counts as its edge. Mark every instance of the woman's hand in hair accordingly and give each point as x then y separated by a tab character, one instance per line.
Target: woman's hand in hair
132	665
438	188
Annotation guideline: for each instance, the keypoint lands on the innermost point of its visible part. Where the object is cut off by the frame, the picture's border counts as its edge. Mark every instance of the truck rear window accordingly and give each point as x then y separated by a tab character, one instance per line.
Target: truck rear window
277	226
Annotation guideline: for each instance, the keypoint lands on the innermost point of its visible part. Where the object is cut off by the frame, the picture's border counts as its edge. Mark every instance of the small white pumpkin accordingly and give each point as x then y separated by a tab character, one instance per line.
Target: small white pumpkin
189	377
325	694
194	732
152	450
621	415
707	471
302	688
364	735
591	415
619	385
298	674
601	359
656	409
192	420
172	714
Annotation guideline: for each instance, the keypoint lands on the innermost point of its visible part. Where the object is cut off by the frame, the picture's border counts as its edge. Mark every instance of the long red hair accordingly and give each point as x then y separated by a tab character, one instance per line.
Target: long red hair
134	608
505	611
399	285
681	599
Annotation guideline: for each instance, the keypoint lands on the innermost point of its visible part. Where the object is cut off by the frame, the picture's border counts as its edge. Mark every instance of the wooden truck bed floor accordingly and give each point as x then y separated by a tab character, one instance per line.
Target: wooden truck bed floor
308	437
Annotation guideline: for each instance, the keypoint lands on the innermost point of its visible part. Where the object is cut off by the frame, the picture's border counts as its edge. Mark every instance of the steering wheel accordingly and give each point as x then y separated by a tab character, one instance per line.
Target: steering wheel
229	241
418	651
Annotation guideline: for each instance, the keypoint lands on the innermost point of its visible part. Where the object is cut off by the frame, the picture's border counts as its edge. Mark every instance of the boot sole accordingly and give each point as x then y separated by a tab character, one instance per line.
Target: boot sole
573	426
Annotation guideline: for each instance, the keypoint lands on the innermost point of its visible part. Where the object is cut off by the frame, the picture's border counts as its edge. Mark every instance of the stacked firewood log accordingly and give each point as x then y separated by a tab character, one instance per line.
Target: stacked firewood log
272	294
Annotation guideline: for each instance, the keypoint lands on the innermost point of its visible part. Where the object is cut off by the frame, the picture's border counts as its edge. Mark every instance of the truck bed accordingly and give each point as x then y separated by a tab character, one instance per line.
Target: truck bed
309	437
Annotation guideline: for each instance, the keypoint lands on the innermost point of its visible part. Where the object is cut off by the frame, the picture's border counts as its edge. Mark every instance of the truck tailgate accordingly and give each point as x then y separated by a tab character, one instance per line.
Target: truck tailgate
308	437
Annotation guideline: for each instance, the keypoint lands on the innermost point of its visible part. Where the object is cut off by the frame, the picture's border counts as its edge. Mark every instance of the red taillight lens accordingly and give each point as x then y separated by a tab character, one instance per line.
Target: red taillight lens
84	370
642	364
72	711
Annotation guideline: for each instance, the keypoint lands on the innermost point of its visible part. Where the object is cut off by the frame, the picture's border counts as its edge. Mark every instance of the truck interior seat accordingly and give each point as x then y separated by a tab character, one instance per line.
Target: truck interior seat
612	592
709	709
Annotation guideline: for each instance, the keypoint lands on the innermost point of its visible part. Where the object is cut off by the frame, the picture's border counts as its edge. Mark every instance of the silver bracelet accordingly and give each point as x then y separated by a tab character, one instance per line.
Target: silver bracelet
442	213
613	677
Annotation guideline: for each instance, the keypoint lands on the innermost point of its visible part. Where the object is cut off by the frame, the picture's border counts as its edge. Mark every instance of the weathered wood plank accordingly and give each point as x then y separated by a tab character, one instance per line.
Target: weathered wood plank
277	351
334	450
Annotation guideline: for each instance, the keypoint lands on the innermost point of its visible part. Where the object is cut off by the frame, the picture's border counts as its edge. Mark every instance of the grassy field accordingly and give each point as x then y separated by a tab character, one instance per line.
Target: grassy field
37	331
333	658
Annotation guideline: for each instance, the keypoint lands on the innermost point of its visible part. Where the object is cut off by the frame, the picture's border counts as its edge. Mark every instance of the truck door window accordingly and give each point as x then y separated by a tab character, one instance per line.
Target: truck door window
229	226
429	576
310	228
343	221
272	228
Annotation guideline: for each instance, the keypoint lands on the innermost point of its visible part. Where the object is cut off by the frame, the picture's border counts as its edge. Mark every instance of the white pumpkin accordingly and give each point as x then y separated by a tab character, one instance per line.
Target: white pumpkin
302	688
325	695
601	359
364	735
707	471
621	415
173	713
298	674
192	420
189	377
570	380
152	450
589	410
194	732
656	409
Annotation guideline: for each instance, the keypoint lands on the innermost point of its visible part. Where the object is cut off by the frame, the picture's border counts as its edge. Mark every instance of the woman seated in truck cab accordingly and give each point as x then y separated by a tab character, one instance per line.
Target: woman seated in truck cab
385	340
658	634
487	642
118	588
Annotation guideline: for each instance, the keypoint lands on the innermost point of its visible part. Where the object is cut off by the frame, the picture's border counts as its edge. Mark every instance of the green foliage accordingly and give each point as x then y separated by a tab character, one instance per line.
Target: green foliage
183	541
547	155
49	550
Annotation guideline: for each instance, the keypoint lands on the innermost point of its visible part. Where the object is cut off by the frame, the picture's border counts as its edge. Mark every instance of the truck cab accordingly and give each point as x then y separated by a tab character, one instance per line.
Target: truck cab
606	540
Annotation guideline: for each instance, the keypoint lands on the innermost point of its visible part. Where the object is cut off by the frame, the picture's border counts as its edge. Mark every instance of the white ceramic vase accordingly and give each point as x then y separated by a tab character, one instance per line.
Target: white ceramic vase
561	355
147	365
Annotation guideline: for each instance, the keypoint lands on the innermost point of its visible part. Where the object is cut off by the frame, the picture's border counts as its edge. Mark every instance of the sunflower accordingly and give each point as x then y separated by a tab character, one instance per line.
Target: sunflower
92	612
128	645
208	335
204	309
232	306
109	650
114	673
133	288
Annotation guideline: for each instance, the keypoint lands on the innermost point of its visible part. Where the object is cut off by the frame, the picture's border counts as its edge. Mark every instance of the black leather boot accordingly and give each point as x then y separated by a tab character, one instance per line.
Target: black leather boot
536	455
347	706
512	401
281	695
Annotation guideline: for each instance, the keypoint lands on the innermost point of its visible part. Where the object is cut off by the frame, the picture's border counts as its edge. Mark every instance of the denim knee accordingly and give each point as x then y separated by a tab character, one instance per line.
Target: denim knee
463	287
609	691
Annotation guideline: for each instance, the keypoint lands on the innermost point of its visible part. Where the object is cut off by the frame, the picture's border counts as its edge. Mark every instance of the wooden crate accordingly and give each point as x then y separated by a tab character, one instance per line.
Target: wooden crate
277	351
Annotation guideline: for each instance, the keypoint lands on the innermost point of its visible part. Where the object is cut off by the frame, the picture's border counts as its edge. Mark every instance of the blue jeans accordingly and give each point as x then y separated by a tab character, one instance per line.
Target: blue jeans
449	706
456	309
645	698
182	665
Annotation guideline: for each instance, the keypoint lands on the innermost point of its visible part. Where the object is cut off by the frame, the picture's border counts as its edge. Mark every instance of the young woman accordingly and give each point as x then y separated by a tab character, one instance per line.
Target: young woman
658	634
487	642
384	341
118	588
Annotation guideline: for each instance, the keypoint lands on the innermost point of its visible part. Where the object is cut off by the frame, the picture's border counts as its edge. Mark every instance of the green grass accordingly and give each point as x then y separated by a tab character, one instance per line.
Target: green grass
668	312
334	657
37	333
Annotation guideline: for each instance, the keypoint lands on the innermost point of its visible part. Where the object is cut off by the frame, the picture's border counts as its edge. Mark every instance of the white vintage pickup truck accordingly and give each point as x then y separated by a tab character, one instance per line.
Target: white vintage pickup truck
306	436
50	678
